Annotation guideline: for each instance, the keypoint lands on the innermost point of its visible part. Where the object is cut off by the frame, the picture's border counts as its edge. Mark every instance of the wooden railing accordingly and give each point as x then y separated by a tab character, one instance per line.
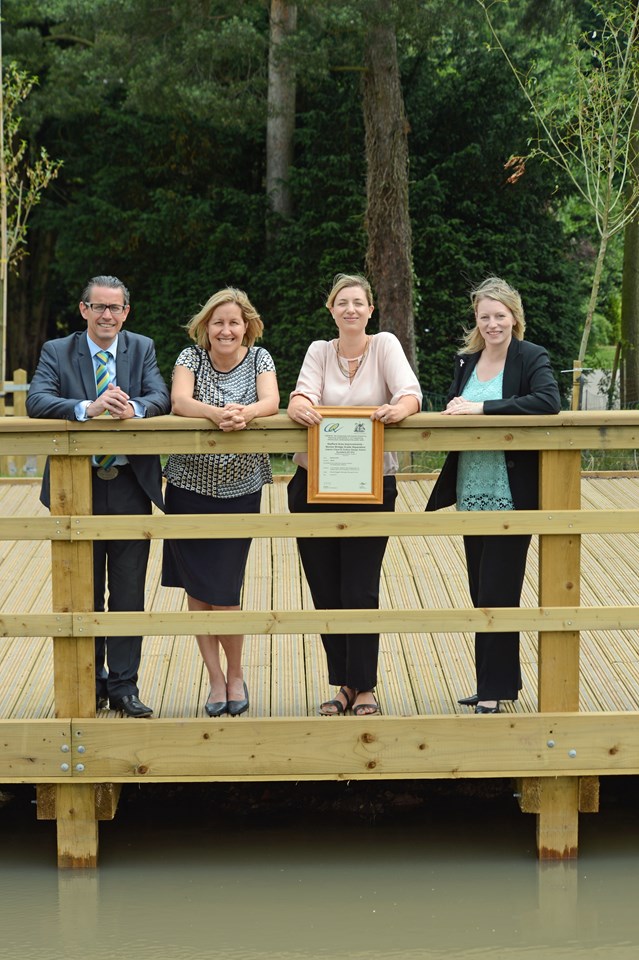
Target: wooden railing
21	465
553	750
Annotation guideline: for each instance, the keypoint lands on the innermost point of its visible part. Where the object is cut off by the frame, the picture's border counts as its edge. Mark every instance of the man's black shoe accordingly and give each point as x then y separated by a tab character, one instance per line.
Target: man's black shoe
132	706
101	701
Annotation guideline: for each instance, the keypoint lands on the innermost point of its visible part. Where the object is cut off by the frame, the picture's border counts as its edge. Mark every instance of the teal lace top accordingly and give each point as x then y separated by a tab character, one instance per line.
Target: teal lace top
482	477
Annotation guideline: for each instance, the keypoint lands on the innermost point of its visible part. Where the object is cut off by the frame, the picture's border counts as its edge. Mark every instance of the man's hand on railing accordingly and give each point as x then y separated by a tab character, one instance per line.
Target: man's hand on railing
113	401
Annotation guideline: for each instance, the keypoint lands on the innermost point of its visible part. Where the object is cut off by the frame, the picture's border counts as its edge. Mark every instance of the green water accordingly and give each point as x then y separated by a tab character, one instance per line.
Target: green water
358	874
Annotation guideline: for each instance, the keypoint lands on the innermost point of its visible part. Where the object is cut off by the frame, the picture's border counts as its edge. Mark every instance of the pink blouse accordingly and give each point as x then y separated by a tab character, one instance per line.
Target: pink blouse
384	377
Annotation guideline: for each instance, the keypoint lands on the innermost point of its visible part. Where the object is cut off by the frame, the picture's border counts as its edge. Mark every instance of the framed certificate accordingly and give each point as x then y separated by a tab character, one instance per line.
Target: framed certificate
346	457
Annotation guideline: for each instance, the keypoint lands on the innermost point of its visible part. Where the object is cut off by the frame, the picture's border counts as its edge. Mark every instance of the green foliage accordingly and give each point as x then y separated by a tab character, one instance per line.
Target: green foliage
586	124
155	219
473	223
159	113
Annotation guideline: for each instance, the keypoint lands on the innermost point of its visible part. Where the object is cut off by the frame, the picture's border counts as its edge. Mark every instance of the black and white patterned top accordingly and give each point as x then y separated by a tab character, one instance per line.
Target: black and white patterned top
222	475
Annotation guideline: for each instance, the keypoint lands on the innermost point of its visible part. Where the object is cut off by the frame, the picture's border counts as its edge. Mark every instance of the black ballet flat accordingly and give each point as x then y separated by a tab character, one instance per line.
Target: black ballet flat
236	707
480	708
470	701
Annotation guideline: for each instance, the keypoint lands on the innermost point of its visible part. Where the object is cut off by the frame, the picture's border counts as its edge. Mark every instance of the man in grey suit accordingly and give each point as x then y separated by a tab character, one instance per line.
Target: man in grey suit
107	371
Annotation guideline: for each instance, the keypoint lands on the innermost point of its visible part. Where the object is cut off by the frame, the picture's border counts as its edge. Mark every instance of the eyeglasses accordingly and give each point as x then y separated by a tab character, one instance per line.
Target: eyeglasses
115	308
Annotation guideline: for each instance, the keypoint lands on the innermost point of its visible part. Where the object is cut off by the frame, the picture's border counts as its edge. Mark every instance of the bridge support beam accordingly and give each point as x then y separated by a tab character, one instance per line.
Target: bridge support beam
73	658
559	584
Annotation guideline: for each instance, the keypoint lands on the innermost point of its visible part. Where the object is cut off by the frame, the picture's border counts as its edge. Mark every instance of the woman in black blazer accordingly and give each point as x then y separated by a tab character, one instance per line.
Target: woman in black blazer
497	372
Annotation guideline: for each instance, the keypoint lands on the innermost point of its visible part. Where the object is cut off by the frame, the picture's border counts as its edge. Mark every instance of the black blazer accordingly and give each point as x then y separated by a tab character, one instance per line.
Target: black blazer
65	375
529	387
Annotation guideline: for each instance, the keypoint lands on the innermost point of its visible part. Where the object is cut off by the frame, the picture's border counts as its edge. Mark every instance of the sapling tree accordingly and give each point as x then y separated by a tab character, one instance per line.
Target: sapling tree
585	123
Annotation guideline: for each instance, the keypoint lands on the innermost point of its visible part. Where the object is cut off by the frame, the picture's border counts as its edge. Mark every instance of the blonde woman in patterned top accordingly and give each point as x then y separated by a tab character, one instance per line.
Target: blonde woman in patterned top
496	372
228	380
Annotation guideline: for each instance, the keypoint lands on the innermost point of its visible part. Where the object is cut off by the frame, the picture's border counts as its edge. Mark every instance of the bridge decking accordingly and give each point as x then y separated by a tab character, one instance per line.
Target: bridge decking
420	673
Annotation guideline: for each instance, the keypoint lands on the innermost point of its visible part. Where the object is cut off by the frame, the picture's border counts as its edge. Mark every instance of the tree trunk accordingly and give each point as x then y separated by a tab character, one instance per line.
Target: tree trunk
594	292
630	291
4	257
630	313
280	123
389	256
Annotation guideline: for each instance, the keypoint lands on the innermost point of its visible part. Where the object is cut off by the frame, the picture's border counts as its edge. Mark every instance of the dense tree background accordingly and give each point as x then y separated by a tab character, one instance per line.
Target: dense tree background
159	114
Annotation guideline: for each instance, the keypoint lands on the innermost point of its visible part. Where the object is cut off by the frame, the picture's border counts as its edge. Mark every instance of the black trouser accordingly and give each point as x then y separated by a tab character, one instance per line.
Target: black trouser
496	568
344	573
120	566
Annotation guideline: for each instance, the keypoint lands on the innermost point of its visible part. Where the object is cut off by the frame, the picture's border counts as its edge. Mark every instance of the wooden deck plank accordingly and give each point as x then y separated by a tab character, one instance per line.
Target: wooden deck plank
289	695
256	595
310	645
27	679
419	672
441	664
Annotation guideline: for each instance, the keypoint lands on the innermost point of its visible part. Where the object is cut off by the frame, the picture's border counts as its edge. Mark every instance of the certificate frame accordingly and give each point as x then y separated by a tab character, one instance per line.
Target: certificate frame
354	474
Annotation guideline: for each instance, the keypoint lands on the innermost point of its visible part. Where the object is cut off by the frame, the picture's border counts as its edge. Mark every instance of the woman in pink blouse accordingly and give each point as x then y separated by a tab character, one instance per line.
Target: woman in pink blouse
356	369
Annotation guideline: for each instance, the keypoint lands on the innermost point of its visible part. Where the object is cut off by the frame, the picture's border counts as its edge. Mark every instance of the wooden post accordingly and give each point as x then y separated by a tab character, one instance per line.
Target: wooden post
577	373
559	585
20	396
4	461
73	657
19	410
107	796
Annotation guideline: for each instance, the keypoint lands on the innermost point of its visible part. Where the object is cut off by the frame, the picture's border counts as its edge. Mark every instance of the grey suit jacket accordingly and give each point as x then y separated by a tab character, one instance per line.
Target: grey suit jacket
65	376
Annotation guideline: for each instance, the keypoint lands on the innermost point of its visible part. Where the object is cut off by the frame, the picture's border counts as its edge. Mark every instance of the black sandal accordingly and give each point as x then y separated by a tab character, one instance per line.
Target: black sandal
366	709
340	709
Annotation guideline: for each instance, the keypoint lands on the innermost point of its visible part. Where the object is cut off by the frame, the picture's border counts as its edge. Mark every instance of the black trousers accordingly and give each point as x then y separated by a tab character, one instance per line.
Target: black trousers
119	567
344	573
496	568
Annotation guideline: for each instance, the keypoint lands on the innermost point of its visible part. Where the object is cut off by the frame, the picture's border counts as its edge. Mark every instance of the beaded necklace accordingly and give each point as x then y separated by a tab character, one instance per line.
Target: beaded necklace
345	370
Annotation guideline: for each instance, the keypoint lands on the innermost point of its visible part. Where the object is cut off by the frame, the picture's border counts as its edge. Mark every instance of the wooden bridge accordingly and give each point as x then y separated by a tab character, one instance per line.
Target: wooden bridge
569	727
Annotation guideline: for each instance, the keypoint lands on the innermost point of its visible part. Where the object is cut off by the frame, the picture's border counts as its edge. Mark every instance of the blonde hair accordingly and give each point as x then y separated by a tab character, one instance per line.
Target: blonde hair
494	288
197	325
342	280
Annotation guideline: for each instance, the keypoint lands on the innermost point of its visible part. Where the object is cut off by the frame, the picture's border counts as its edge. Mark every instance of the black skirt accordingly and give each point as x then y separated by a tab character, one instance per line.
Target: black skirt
211	571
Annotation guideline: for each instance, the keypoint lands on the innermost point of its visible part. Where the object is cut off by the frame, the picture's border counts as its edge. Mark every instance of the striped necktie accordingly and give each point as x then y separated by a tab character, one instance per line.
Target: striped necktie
102	381
102	378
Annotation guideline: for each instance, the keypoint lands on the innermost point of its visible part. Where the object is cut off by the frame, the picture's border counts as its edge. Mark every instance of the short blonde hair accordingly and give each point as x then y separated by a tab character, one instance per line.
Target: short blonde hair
197	325
494	288
343	280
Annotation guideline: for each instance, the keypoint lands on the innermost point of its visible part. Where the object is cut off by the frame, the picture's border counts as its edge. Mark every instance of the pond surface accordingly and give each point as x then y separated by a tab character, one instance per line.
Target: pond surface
321	871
